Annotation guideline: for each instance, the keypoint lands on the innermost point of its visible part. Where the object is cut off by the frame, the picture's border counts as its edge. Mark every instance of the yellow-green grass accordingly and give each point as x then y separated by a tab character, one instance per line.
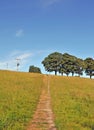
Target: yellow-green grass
72	102
19	95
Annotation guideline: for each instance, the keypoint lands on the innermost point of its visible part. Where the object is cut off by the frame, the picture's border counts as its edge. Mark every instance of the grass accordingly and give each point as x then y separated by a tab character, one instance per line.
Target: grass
72	102
19	95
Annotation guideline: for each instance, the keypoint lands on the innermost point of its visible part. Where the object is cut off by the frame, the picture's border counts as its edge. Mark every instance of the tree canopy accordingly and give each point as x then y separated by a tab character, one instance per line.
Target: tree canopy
34	69
89	67
68	64
52	62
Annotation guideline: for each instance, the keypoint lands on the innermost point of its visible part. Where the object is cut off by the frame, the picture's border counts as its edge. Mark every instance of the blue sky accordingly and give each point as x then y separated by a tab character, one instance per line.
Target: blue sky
32	29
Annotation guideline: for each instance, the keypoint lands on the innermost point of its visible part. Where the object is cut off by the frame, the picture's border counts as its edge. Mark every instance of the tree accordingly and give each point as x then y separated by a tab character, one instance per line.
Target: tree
68	64
34	69
89	67
79	66
52	62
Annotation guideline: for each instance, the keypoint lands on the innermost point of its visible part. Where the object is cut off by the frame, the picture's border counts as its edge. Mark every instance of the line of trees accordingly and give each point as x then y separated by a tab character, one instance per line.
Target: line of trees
68	64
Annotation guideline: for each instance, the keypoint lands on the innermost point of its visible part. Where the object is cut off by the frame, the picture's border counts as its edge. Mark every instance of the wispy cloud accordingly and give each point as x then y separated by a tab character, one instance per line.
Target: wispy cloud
19	33
49	2
10	63
24	56
25	59
21	54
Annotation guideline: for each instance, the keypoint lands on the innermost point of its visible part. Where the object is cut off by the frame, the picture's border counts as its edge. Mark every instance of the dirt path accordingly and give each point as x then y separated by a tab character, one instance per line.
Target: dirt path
43	117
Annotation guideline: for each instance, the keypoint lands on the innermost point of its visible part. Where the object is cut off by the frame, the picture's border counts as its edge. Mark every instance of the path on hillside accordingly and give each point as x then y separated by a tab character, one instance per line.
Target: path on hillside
43	117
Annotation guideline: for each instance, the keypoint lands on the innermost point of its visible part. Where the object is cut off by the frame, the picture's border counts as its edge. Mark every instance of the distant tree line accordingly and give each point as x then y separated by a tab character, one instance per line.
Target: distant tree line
68	64
34	69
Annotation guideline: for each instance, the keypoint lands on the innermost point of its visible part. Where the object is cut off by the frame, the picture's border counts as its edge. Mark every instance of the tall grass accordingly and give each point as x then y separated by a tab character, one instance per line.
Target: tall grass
72	102
19	94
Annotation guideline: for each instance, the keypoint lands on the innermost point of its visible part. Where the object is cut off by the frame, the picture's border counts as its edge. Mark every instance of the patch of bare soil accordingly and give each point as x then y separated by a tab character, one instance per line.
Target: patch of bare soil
43	117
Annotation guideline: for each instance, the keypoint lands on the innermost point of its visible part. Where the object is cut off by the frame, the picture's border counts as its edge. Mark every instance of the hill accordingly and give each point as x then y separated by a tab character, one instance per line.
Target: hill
19	95
72	100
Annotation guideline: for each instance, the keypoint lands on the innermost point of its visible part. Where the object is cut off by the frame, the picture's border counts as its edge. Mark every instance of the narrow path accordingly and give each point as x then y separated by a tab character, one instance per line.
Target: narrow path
43	117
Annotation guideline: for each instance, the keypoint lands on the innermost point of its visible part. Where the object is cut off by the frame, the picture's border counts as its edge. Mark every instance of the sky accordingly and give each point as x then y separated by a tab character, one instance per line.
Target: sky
30	30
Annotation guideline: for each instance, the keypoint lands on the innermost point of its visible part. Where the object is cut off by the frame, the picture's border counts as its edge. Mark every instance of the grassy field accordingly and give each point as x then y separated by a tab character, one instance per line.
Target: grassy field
19	94
72	102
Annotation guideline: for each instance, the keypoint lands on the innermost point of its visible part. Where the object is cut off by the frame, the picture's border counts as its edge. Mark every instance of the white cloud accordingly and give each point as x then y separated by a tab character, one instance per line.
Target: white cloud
7	64
21	54
24	56
19	33
10	63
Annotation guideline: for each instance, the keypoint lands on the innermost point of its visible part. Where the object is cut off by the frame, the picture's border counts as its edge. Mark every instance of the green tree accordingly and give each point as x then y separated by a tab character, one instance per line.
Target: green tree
89	67
63	63
52	62
68	64
34	69
79	66
71	64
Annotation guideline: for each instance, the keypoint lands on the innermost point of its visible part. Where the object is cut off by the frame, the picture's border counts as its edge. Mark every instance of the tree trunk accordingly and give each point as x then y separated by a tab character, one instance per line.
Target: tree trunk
72	73
79	75
90	75
55	72
62	74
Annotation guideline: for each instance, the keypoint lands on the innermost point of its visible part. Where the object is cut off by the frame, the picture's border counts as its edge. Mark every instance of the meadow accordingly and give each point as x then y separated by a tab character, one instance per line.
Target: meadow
19	95
72	102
